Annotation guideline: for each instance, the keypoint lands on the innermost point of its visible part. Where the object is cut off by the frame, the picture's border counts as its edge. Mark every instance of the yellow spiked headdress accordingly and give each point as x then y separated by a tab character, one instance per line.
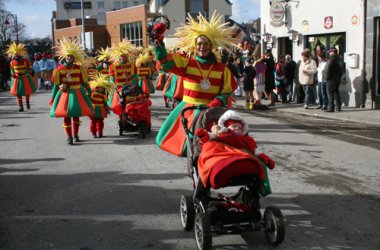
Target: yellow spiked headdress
65	48
15	48
100	80
219	33
124	47
143	58
104	53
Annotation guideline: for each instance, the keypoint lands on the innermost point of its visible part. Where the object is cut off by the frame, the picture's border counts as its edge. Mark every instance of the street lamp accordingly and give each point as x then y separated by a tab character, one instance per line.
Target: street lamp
15	24
267	37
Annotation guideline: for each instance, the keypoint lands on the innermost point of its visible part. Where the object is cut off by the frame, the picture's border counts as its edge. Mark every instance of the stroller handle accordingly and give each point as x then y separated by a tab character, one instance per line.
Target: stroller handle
184	120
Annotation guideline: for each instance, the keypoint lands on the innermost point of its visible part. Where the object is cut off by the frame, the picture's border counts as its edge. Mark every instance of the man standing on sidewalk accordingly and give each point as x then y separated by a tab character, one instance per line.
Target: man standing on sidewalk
333	73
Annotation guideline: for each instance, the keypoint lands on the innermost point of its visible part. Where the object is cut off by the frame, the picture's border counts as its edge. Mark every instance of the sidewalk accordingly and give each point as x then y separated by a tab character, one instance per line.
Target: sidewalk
361	115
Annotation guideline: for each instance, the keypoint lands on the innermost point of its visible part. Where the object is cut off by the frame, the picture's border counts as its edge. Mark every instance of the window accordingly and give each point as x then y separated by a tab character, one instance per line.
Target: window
101	5
125	4
196	6
132	32
135	3
116	5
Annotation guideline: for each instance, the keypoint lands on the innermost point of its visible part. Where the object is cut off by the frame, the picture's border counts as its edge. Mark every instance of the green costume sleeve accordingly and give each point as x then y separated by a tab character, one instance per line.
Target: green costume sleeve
162	56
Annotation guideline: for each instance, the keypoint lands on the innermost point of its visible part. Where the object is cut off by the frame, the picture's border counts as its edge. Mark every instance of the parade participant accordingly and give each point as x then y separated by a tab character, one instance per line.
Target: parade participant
46	66
37	70
144	74
160	82
122	72
206	81
99	97
22	83
70	91
104	61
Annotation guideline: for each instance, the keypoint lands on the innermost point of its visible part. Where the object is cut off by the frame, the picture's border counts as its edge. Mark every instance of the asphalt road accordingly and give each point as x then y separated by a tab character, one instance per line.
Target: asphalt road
123	192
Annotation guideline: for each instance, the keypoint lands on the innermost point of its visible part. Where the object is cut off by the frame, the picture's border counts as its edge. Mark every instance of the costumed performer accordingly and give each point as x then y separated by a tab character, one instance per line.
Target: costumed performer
70	91
122	72
99	97
144	74
206	81
22	83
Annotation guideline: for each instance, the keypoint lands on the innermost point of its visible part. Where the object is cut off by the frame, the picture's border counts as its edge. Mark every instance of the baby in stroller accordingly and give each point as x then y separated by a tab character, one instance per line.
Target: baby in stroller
223	155
136	114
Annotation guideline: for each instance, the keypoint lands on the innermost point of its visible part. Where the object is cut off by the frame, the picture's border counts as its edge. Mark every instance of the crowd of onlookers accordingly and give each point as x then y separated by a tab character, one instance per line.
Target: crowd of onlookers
314	80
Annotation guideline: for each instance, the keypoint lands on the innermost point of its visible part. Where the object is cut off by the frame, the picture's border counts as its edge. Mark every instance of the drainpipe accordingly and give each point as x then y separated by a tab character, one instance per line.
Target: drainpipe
365	49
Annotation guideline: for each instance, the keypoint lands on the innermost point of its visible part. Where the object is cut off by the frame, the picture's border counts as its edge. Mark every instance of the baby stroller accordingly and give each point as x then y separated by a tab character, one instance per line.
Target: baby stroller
209	213
136	114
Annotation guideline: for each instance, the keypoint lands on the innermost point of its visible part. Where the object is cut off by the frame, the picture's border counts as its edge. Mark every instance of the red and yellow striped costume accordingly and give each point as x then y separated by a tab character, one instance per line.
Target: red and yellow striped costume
144	75
99	101
121	74
22	83
171	137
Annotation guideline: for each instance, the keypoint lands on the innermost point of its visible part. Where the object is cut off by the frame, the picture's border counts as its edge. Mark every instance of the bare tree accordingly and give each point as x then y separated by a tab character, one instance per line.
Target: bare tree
9	29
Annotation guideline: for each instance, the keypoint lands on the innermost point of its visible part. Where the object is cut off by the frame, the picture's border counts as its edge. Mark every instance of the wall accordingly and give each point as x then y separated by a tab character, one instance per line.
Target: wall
128	15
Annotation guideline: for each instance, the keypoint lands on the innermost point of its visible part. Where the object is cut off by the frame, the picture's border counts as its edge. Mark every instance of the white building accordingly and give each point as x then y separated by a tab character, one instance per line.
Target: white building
290	26
67	9
177	12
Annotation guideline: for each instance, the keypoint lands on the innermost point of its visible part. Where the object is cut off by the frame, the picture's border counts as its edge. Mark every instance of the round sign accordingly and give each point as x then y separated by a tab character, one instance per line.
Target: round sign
277	12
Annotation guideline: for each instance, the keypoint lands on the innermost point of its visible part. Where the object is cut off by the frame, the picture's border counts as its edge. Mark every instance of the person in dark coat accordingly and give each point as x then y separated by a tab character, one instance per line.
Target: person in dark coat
333	73
290	70
269	76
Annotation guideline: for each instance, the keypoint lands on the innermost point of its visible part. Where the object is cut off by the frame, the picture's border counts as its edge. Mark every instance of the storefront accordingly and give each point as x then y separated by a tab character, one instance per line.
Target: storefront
291	26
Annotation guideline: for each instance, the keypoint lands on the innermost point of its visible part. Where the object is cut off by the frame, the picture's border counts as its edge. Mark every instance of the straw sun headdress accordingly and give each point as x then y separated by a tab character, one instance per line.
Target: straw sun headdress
218	32
103	54
124	47
100	81
66	47
16	49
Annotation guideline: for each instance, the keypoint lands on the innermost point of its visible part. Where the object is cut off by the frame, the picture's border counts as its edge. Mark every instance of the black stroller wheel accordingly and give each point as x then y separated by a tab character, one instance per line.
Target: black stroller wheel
121	127
187	212
143	129
274	225
202	230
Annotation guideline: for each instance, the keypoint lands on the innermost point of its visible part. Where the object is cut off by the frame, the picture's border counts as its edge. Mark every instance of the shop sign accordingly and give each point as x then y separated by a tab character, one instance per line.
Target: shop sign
329	23
277	12
355	20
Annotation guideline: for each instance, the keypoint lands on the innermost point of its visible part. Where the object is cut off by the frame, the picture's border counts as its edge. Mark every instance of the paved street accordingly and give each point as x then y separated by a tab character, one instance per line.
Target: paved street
123	192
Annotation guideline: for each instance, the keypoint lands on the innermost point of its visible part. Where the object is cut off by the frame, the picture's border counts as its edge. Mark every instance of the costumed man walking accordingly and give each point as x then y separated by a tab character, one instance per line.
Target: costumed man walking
144	74
70	91
22	83
122	72
206	81
99	97
104	62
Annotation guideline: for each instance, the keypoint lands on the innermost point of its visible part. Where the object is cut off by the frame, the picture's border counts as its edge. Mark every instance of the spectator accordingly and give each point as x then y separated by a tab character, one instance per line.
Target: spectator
269	76
290	70
4	72
322	91
307	70
249	75
333	72
280	79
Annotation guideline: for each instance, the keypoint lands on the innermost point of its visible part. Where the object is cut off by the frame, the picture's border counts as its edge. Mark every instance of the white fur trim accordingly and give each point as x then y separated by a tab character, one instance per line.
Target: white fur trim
231	114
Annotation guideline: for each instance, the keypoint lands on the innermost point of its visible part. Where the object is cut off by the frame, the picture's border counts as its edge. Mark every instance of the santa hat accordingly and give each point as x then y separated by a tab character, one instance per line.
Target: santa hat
229	117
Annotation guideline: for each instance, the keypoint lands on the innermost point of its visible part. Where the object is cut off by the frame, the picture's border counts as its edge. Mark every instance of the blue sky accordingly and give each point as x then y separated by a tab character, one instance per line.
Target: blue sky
36	14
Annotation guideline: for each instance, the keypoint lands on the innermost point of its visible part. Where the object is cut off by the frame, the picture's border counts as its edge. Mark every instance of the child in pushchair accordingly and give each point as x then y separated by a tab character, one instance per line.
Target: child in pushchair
136	114
225	158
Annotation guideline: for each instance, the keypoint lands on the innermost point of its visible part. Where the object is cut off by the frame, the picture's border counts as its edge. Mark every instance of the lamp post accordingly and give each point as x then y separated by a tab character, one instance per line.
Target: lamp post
15	24
83	26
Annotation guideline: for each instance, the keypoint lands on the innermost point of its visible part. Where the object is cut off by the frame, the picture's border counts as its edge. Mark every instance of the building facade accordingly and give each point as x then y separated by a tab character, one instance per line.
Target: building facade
177	12
372	50
290	26
95	9
130	22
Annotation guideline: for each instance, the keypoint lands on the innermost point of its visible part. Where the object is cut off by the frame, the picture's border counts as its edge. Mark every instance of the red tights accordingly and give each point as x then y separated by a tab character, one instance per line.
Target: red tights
70	130
96	126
